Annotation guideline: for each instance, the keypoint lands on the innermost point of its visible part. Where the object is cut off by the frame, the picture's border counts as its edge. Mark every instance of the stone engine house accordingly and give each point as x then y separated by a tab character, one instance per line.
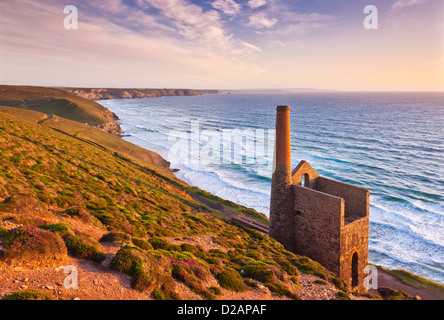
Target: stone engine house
323	219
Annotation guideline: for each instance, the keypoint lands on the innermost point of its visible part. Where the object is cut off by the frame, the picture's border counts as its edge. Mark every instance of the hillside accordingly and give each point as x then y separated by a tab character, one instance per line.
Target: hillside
51	101
74	195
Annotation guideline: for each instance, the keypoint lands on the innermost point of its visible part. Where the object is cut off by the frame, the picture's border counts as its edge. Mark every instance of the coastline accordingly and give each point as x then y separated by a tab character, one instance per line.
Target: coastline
209	201
388	280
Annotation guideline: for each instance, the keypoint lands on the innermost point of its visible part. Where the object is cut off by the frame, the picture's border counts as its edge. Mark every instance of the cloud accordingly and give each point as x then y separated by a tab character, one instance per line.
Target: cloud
257	3
260	21
192	23
178	42
401	4
229	7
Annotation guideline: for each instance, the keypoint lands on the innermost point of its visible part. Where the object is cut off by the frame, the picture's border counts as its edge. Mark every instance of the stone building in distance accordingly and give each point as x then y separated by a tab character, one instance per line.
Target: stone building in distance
323	219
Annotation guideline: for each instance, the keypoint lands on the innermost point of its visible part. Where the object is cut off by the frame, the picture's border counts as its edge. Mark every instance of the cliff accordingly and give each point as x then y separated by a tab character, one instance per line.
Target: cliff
132	93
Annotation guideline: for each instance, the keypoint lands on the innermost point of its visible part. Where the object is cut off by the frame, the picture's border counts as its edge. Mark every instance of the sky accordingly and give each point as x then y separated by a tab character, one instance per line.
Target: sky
224	44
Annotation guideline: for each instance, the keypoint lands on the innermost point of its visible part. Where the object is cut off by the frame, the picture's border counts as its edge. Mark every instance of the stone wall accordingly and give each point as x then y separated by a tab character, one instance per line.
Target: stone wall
356	198
316	226
354	239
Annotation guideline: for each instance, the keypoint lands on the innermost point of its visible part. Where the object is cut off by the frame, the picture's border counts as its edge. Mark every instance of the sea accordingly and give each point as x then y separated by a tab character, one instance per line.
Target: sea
390	143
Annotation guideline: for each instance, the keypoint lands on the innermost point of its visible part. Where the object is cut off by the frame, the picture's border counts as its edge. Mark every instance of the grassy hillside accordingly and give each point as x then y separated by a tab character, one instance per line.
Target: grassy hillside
73	194
66	193
61	103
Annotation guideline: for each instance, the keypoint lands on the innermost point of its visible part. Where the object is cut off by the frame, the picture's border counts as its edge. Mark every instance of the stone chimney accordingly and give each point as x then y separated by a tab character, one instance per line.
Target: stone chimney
281	203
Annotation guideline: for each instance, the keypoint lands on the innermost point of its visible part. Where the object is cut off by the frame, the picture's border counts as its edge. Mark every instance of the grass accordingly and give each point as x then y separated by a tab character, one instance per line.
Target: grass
79	245
27	243
231	279
258	272
52	101
418	282
28	294
281	290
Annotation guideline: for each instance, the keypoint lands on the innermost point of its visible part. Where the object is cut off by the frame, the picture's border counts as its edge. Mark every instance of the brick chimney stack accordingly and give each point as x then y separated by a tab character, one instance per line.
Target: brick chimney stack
281	203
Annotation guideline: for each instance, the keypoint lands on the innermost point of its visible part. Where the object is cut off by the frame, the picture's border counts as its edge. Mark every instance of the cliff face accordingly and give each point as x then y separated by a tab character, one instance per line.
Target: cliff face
116	93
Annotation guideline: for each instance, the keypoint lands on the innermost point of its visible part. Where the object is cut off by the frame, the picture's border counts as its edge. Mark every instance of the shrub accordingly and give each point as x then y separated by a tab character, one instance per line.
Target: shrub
3	232
287	266
113	237
28	294
341	295
308	266
161	243
32	245
142	244
259	273
188	247
80	213
59	228
132	262
217	253
166	290
215	290
230	279
338	283
251	283
281	290
184	274
296	281
401	295
79	247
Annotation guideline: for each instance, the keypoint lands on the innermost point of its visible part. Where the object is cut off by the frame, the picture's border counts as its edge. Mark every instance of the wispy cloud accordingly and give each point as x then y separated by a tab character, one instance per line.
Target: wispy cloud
303	23
401	4
229	7
256	3
260	20
180	36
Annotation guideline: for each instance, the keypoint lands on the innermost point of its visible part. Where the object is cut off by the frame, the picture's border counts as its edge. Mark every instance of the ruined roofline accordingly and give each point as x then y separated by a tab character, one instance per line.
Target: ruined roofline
365	190
303	169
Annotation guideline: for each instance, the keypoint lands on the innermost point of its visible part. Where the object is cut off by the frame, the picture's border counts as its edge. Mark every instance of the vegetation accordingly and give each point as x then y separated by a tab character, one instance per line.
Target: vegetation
417	282
28	294
231	279
30	244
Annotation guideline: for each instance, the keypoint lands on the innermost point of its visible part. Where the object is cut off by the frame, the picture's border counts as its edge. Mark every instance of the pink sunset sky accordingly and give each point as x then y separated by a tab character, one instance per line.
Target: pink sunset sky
224	44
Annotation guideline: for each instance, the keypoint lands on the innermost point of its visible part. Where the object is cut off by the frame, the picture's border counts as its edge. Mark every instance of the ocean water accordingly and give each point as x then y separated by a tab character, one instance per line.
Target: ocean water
390	143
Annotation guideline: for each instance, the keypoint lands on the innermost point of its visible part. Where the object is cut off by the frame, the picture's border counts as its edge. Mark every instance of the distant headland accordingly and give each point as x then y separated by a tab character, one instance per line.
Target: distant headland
132	93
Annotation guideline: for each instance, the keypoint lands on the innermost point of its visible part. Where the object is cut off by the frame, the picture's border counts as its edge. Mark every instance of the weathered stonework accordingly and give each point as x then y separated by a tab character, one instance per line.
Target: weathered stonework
323	219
